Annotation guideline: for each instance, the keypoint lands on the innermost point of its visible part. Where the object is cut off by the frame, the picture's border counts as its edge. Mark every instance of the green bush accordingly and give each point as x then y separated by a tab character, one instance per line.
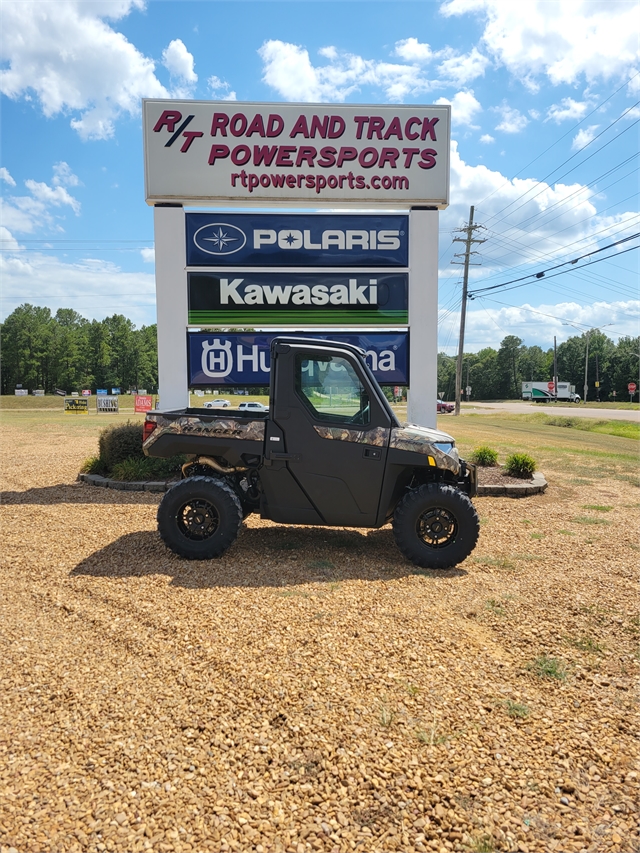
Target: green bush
485	456
147	468
118	443
93	465
520	465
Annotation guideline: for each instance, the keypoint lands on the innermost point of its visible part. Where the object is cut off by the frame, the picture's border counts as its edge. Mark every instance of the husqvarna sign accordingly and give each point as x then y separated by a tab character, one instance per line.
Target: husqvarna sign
301	154
297	240
239	358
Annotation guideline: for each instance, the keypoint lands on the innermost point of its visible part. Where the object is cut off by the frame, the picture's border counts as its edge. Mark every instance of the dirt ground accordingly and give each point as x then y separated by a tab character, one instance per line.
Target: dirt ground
312	691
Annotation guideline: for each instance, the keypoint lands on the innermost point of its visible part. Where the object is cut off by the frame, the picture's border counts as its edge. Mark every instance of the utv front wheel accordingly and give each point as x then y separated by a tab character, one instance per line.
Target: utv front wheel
199	518
435	526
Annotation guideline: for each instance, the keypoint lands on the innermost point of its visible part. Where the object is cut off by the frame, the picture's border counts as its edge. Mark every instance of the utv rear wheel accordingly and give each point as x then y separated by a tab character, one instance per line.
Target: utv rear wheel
199	518
435	526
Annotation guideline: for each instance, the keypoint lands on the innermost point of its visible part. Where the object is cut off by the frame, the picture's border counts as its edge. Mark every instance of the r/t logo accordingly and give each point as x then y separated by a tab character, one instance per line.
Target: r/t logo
170	119
217	359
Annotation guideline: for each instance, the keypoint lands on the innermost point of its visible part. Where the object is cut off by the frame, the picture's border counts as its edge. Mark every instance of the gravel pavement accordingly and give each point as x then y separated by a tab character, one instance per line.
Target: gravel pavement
311	691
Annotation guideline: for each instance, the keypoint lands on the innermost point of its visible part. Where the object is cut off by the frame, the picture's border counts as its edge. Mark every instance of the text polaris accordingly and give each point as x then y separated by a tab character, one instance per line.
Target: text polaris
291	238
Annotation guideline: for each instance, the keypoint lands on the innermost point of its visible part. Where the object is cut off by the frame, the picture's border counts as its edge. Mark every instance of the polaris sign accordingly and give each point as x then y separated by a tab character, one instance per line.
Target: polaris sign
295	298
285	240
221	358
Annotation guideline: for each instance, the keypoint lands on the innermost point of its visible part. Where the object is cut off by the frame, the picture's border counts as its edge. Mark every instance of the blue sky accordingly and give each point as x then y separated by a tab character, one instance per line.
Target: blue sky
545	120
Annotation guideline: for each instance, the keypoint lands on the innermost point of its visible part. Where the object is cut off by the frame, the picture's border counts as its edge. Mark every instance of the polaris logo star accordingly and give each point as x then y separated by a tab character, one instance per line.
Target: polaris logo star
220	238
232	292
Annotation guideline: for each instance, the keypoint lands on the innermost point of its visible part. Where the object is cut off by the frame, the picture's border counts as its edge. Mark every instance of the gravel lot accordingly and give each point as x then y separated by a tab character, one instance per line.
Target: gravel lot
311	691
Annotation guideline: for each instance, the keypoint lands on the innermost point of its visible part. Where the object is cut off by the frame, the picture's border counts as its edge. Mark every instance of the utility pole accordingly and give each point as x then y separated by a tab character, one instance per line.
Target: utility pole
555	369
597	381
467	392
586	368
468	241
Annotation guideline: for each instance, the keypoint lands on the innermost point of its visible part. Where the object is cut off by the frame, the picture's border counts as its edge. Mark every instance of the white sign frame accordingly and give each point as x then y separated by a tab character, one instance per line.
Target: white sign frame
321	155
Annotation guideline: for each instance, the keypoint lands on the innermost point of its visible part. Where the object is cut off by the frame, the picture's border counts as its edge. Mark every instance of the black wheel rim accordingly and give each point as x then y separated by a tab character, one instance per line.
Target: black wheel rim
198	520
437	527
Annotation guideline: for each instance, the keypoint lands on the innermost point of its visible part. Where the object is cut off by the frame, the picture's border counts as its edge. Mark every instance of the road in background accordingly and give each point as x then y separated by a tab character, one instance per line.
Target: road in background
575	410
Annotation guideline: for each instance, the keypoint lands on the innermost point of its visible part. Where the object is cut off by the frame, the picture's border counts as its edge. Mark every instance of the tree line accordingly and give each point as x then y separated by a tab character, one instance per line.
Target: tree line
499	374
66	351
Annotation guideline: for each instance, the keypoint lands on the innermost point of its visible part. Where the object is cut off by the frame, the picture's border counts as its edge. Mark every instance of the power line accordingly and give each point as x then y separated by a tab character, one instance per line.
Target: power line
564	263
591	141
598	260
560	138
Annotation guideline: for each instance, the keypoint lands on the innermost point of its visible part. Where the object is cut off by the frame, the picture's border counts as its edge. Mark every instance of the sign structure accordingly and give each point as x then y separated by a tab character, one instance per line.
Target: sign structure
297	240
296	154
316	299
106	404
76	405
631	387
143	403
86	392
223	358
21	392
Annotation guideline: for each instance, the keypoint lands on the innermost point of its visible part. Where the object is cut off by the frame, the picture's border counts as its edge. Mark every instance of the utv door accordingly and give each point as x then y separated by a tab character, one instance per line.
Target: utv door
334	430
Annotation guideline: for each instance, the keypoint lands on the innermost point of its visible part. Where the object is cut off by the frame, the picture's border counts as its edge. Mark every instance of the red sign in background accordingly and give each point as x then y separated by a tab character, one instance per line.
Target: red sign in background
551	386
143	404
631	387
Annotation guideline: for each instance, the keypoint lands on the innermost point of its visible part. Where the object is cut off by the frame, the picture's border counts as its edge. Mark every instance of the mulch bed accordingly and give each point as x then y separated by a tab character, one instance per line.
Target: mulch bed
496	476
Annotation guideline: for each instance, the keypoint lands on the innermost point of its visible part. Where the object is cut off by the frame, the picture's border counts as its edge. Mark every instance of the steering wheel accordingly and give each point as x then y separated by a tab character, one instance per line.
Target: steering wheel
361	417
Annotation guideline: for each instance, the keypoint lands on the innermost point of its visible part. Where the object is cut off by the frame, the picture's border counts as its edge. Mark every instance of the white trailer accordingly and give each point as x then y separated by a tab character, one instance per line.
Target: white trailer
543	392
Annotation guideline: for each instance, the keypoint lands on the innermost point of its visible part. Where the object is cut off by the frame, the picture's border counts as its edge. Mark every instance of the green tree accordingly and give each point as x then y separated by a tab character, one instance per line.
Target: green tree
509	383
26	349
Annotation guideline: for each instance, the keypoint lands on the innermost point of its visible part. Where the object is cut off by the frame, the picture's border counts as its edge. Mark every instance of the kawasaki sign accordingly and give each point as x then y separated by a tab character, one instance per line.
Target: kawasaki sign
310	299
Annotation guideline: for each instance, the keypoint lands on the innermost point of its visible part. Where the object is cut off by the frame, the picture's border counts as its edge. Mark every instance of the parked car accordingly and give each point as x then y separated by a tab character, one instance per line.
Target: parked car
217	404
444	407
254	407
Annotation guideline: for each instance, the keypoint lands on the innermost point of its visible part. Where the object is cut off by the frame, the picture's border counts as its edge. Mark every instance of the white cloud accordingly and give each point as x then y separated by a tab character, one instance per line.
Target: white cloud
148	255
464	107
8	242
6	177
73	61
462	68
63	176
597	39
486	139
94	287
289	70
42	208
528	221
220	89
567	109
584	137
179	63
412	50
54	196
512	120
538	322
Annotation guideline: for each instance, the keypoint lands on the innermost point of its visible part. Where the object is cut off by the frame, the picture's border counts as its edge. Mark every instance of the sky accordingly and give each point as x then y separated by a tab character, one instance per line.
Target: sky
545	137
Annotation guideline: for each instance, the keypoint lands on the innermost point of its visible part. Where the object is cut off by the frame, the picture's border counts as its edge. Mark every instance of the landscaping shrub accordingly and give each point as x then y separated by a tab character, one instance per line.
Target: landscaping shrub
118	443
121	457
520	465
147	468
485	456
93	465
